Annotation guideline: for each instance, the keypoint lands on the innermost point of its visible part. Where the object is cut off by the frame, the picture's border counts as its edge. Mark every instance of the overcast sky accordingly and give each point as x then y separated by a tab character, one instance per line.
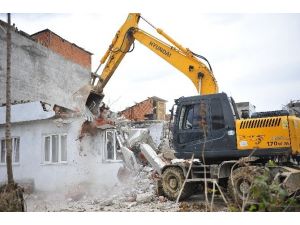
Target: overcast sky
255	57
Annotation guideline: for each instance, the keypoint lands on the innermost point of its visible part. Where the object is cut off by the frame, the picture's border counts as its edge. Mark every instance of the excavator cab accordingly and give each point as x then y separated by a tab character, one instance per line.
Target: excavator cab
210	124
204	122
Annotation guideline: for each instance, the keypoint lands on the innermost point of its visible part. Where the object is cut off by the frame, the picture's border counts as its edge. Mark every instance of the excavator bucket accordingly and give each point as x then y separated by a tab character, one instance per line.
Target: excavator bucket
93	101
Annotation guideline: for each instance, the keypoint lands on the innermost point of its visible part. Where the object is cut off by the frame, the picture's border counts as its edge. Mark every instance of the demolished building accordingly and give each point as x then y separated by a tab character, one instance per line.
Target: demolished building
47	154
63	47
48	151
40	73
293	107
153	108
245	108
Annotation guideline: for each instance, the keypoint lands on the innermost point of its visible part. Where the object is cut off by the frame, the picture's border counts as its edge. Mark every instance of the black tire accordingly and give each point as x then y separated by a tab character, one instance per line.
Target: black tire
240	182
172	181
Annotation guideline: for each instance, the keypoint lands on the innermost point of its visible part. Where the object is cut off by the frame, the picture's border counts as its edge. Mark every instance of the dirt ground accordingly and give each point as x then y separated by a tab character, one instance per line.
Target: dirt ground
138	194
39	202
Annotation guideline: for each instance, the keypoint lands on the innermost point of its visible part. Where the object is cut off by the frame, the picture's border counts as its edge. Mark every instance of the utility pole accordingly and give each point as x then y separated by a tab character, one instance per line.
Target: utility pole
8	139
11	195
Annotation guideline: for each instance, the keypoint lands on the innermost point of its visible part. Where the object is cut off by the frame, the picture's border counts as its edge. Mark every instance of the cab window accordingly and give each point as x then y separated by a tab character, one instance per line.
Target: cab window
193	117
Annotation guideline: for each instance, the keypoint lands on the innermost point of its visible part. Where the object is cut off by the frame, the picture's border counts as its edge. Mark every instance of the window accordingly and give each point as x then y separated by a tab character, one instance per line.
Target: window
55	148
193	122
193	116
63	144
111	147
217	115
200	116
15	150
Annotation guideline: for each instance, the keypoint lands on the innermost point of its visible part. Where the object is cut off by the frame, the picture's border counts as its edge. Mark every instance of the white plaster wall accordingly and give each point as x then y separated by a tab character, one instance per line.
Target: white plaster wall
84	164
36	68
156	132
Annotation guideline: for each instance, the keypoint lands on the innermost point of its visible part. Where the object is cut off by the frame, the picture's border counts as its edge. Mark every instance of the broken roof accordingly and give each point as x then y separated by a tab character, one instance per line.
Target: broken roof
26	112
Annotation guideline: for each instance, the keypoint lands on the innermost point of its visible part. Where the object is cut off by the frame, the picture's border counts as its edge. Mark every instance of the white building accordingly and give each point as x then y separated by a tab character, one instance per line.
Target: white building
46	150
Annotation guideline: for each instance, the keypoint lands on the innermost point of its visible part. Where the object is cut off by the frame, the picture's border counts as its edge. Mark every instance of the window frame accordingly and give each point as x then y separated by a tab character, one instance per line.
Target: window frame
184	113
215	122
13	151
59	161
115	159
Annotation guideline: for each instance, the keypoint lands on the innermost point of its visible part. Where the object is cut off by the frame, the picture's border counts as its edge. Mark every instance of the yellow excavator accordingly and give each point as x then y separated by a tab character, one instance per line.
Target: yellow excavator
181	58
207	126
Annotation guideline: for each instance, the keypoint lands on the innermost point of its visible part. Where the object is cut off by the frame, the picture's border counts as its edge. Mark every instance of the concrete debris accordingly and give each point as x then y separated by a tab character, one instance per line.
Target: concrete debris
169	155
150	132
164	148
75	193
87	128
137	135
102	121
152	157
175	161
162	198
148	169
136	195
144	197
129	159
132	137
124	174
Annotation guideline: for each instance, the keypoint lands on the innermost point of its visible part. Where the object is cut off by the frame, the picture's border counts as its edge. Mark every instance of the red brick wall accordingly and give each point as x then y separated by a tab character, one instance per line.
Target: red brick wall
138	111
64	48
43	38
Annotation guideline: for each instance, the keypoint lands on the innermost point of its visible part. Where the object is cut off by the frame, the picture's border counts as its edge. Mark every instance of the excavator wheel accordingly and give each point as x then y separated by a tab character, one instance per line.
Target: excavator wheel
172	181
240	182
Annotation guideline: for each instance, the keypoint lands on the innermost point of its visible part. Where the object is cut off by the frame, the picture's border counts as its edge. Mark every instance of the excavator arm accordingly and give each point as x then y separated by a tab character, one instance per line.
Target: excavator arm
181	58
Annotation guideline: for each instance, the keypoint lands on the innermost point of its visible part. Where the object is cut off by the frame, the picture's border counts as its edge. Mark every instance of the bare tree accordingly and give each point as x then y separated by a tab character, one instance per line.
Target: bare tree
8	139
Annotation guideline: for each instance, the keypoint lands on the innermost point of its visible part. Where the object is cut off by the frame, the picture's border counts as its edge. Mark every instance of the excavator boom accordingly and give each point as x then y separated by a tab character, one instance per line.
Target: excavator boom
181	58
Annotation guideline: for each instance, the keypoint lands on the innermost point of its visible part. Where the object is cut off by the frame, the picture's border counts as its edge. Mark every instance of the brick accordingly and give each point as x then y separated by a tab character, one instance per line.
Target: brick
151	105
63	47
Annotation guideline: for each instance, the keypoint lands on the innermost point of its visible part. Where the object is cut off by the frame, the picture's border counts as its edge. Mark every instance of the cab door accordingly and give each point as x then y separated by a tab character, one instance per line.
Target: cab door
192	128
204	124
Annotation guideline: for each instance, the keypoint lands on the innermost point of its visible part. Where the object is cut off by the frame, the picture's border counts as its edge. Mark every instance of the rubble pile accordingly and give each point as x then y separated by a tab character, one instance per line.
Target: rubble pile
137	186
137	194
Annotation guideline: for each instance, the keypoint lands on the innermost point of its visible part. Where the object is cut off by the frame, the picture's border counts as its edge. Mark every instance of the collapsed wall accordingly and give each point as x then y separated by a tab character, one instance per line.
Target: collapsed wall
38	73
